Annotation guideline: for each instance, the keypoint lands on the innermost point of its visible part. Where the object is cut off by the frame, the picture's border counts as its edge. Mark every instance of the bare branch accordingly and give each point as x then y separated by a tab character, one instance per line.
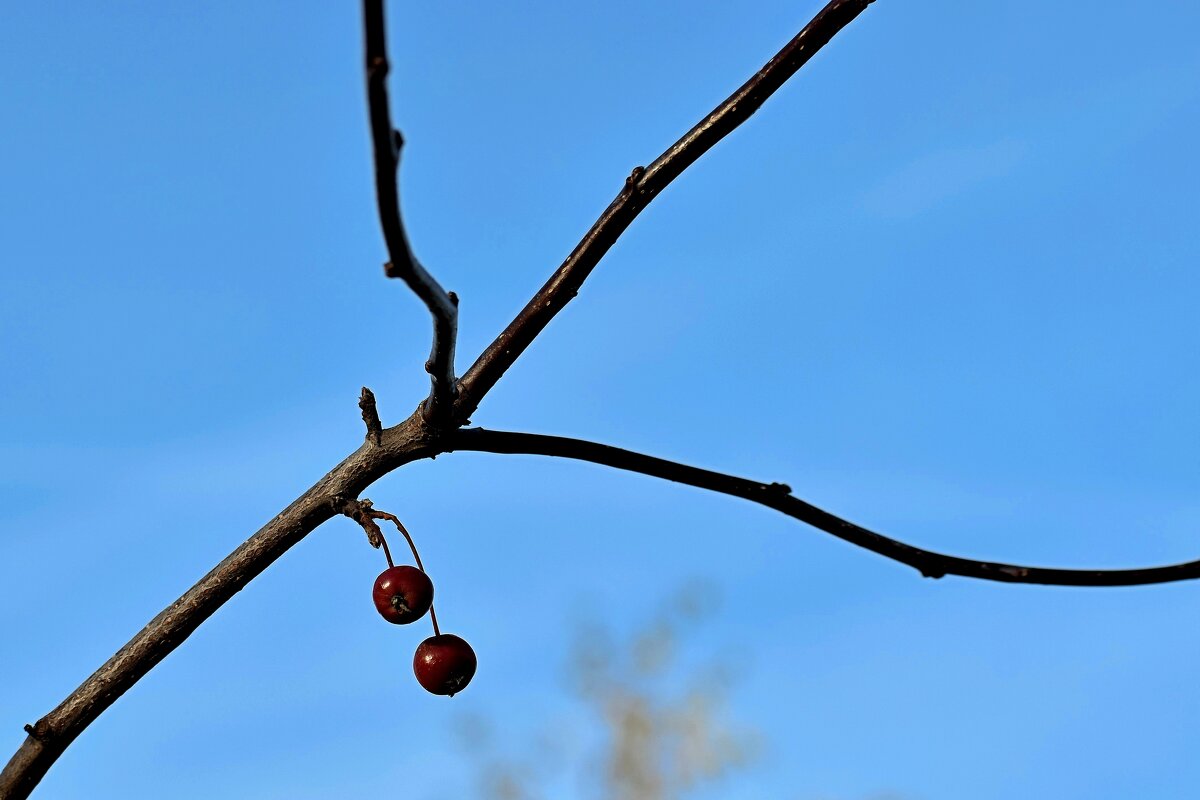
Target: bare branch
642	186
50	736
778	496
387	143
388	449
412	439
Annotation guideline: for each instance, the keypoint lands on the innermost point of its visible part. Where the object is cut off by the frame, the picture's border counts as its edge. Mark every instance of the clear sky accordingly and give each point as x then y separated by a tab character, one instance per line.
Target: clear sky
944	283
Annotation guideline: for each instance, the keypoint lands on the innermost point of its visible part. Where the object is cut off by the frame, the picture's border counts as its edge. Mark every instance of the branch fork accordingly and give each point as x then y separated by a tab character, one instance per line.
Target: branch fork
387	143
450	404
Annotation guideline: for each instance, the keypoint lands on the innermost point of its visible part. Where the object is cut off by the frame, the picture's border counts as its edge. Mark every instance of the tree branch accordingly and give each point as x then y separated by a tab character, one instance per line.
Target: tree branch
778	496
642	186
387	142
425	434
416	437
52	734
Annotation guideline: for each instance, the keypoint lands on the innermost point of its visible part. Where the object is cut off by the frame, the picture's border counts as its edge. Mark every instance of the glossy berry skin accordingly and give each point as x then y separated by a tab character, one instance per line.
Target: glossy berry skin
402	594
444	664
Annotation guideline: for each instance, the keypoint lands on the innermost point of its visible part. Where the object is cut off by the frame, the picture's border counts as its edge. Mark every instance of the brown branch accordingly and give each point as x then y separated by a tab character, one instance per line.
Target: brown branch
387	142
642	186
50	736
778	496
414	438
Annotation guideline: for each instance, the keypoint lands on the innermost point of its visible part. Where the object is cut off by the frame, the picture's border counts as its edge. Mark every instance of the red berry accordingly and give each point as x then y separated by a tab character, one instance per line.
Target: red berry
444	664
403	594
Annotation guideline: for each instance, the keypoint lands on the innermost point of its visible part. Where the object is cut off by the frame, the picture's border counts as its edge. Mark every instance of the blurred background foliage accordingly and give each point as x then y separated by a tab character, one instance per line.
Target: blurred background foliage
651	726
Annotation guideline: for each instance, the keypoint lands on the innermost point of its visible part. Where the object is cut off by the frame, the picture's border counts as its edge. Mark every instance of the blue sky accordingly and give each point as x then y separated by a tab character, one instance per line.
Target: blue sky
943	283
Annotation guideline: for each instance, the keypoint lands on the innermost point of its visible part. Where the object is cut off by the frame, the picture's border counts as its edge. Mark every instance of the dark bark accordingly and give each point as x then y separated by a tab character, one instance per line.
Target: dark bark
416	437
642	186
387	142
779	497
53	733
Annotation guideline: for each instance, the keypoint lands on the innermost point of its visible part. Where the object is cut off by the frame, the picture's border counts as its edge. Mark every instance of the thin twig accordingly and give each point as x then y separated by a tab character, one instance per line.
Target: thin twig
642	186
778	496
387	142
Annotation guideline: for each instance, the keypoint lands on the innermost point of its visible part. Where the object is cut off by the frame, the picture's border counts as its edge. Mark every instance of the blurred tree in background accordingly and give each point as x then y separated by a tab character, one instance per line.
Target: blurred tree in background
653	725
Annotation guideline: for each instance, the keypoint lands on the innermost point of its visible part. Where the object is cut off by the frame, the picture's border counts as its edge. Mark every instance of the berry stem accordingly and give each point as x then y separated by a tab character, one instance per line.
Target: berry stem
376	514
433	619
386	552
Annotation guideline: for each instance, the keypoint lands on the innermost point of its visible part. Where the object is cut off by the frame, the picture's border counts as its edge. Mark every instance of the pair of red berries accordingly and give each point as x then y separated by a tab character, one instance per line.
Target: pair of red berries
444	663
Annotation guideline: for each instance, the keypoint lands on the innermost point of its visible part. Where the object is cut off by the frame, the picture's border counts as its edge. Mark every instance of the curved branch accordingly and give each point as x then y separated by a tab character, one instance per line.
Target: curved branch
386	142
642	186
778	496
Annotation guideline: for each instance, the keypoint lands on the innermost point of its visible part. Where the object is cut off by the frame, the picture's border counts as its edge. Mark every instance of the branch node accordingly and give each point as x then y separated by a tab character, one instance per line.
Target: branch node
361	512
370	415
929	563
641	186
779	488
39	730
386	143
635	176
453	298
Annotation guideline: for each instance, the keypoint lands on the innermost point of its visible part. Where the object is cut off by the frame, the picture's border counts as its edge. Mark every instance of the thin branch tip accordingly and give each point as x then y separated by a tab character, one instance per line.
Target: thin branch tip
387	142
930	564
370	415
641	186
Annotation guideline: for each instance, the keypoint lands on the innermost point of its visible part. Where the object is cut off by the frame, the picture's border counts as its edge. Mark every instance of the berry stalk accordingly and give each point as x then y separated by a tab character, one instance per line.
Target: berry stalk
376	514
